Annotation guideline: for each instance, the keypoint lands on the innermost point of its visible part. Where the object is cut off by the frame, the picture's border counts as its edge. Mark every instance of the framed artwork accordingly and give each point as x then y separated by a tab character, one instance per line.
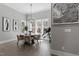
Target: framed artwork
5	24
65	12
15	25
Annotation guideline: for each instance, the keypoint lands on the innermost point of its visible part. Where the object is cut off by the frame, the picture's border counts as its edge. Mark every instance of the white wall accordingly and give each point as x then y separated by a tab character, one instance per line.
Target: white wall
12	14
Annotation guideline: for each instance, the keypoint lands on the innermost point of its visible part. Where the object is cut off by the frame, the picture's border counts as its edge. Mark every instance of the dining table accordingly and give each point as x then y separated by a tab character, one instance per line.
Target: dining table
30	38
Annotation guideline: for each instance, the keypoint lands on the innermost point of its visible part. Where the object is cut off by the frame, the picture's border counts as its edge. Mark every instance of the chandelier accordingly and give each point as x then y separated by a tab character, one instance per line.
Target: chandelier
31	11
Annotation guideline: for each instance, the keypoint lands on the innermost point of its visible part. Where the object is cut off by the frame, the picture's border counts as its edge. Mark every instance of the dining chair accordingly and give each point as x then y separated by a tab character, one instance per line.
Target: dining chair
20	38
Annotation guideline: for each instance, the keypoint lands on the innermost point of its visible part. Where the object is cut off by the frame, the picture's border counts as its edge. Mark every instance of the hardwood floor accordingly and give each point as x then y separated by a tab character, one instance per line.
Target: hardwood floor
39	49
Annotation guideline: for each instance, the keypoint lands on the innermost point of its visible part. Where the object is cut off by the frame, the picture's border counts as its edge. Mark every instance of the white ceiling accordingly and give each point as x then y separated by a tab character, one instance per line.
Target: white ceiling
26	8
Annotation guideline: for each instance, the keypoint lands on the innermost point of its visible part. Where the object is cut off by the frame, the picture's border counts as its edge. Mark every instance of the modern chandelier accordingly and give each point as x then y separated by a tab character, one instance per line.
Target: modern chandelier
31	11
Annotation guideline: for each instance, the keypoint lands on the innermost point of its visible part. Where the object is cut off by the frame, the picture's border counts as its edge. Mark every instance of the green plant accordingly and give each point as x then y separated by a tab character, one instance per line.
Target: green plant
25	28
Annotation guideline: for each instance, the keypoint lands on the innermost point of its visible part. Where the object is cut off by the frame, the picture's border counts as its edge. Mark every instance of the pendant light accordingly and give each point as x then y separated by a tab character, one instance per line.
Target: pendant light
31	11
30	19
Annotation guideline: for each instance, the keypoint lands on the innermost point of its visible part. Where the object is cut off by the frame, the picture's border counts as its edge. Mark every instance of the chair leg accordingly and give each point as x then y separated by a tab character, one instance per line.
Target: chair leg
17	42
37	41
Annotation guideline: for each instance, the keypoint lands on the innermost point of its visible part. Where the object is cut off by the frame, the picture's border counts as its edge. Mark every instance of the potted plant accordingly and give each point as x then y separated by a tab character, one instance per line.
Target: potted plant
25	29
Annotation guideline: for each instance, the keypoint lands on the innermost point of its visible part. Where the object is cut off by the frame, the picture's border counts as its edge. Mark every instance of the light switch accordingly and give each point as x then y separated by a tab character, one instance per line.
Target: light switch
67	30
62	47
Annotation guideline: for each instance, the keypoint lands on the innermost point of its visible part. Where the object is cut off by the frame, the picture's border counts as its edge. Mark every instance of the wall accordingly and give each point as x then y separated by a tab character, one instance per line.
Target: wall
65	41
12	14
65	38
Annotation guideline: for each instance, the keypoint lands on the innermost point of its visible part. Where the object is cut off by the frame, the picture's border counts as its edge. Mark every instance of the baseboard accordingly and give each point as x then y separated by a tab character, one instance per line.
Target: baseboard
6	41
61	53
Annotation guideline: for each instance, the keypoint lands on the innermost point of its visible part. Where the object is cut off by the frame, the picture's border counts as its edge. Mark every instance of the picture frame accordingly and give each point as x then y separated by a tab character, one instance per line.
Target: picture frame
65	13
15	25
5	24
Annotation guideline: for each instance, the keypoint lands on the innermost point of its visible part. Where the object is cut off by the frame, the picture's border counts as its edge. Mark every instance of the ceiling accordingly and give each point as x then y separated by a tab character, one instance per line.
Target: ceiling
25	8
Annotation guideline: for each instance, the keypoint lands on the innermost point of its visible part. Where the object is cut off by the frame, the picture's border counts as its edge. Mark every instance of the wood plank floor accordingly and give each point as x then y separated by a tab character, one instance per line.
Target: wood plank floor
39	49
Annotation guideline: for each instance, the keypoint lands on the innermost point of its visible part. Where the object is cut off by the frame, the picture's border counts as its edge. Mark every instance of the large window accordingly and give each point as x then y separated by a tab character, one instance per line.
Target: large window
37	26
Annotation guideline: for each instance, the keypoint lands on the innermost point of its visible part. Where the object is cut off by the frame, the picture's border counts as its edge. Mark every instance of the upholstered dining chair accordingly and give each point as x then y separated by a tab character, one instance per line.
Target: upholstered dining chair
20	38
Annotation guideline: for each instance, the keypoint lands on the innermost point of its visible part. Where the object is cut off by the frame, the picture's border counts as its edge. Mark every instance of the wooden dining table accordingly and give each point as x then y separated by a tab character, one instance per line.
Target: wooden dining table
30	38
